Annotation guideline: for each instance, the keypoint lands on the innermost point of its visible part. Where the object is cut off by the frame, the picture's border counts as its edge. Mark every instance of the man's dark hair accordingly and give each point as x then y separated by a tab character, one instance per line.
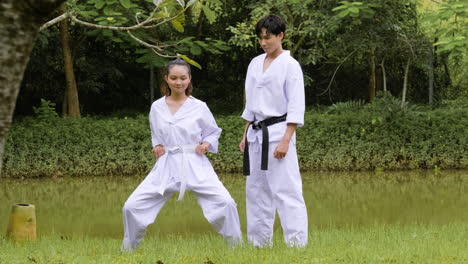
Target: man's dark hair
273	25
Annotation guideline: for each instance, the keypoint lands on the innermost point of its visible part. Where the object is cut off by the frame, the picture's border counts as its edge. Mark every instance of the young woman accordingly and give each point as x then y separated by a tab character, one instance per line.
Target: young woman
182	131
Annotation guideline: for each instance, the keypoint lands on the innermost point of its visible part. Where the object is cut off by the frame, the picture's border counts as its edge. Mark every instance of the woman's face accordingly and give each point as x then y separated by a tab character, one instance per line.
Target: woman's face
178	79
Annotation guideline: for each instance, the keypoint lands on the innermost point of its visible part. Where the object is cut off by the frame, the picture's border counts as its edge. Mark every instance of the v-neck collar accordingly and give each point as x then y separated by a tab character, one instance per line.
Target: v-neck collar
178	110
273	61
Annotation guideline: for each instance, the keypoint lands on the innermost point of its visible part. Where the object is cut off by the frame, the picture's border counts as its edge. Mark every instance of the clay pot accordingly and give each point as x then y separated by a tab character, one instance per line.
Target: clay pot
22	224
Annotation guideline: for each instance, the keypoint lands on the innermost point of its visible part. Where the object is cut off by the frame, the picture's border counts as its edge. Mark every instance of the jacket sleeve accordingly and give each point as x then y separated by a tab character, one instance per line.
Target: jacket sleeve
210	130
295	95
155	137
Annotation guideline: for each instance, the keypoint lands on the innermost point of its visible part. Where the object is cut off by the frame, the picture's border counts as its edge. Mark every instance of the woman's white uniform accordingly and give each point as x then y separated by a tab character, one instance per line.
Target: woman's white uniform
181	168
277	91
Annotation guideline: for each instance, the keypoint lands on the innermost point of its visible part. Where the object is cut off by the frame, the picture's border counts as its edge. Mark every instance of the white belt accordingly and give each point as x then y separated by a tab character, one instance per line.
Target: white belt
183	179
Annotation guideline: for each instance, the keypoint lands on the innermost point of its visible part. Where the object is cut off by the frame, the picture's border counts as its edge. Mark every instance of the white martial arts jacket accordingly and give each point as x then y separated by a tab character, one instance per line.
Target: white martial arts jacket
192	124
275	92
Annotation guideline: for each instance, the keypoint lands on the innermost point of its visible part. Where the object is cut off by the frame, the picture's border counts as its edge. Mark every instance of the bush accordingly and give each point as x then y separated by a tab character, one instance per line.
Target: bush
372	137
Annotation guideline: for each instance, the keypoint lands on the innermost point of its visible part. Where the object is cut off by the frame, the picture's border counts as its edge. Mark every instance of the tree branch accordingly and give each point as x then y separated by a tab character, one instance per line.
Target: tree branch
54	21
336	70
152	47
146	44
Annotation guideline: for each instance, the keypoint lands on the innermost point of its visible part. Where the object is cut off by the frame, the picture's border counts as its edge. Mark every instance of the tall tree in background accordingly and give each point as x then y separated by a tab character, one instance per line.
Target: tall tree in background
70	105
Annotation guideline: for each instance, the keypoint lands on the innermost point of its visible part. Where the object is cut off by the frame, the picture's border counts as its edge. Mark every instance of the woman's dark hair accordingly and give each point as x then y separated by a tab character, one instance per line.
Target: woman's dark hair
273	25
165	90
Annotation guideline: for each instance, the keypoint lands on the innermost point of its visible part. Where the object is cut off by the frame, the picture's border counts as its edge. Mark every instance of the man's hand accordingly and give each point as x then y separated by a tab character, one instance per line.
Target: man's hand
242	145
202	148
282	149
158	151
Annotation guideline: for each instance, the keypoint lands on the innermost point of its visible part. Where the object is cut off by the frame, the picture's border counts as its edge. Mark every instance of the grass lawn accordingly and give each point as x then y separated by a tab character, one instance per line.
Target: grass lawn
359	217
375	244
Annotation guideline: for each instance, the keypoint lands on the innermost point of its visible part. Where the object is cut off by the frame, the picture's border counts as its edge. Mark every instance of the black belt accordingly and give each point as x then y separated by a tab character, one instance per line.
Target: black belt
263	125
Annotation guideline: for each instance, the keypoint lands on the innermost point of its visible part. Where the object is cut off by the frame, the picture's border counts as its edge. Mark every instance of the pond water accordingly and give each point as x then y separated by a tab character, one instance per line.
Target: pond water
74	207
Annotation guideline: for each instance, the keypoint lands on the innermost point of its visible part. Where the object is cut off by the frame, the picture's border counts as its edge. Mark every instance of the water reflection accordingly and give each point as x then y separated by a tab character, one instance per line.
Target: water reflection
92	206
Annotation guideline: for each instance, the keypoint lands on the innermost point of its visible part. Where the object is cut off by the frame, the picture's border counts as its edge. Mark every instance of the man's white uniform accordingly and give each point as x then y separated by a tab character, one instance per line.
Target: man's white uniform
275	92
181	168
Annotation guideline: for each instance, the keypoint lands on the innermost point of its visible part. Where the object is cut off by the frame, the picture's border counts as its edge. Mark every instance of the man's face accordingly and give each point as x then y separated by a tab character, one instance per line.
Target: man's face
270	42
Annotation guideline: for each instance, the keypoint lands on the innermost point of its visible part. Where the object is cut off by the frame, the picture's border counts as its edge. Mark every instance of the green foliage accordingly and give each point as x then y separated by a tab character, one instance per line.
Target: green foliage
131	12
447	25
459	103
388	104
453	37
46	111
382	135
345	106
244	35
194	63
355	9
340	38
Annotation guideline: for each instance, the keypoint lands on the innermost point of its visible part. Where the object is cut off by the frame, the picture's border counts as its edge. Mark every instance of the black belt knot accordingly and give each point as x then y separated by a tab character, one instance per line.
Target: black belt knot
263	125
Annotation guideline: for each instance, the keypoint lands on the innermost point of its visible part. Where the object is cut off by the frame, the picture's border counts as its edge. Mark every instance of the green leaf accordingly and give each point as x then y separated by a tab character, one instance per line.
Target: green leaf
218	2
177	25
107	32
190	3
222	46
201	43
126	3
339	8
160	15
100	5
210	15
367	13
190	61
108	11
373	5
441	43
195	49
100	18
181	3
343	13
90	13
116	39
186	40
354	10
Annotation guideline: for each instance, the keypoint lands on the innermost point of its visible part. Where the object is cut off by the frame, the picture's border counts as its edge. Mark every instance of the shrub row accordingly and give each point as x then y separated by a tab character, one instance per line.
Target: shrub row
363	139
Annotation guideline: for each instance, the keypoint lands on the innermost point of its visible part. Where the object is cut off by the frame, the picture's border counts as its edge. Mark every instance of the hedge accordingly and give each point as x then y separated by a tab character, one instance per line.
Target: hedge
366	138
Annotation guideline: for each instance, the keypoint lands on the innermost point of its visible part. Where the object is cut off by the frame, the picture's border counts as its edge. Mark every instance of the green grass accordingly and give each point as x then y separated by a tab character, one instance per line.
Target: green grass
372	244
354	217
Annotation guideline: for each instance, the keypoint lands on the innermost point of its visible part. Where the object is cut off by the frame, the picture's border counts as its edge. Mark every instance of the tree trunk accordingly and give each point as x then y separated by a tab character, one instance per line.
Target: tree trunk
431	75
71	104
405	83
384	76
372	79
19	27
151	84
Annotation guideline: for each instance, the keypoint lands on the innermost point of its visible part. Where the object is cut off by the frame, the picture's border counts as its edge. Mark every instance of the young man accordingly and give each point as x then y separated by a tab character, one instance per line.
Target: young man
274	89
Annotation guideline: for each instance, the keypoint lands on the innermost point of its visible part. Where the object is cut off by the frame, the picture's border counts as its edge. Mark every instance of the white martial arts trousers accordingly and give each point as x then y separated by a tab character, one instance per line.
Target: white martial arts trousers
144	204
277	189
